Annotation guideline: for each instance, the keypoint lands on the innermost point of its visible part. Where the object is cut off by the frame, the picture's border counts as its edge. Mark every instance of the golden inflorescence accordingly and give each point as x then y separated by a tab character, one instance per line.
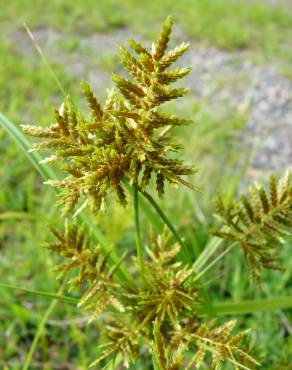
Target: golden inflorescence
128	139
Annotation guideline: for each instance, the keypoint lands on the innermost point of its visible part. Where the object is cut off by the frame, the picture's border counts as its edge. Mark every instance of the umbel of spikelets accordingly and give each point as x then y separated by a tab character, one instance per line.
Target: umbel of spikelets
128	139
159	313
259	223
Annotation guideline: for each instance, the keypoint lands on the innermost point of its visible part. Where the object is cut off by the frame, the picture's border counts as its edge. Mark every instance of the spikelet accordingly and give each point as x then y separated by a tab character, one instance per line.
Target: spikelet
93	104
172	56
259	223
161	45
159	349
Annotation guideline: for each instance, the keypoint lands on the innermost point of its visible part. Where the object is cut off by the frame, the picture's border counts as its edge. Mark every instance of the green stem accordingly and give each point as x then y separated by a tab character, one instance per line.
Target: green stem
138	231
40	331
45	60
184	249
154	363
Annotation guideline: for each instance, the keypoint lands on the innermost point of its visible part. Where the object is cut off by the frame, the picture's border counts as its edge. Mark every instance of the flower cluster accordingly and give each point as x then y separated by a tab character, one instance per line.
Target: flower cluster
258	224
94	272
160	312
126	140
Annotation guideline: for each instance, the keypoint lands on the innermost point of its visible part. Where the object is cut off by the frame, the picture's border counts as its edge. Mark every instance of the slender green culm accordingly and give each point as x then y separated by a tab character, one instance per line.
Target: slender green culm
168	223
138	231
45	60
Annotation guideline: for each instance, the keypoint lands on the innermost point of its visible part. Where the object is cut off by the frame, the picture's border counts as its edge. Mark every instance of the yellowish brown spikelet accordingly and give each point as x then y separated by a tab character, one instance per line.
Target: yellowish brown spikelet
161	45
93	104
173	55
159	346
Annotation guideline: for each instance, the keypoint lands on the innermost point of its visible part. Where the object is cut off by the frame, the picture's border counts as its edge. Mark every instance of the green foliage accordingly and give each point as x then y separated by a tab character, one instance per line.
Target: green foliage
259	223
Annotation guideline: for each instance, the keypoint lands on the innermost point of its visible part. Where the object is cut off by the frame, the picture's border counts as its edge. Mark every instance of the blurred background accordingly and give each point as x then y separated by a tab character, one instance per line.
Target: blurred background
240	101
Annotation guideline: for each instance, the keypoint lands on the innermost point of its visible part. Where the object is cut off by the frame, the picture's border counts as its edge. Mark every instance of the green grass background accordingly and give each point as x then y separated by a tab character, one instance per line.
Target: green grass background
27	94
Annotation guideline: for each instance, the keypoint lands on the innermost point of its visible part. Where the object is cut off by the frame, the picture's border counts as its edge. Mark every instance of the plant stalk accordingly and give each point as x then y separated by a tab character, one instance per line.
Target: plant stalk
138	230
184	250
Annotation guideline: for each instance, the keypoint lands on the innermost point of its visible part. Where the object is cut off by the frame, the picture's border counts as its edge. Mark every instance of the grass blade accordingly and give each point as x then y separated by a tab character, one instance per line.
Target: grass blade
22	142
45	60
245	307
207	252
220	309
211	264
60	297
40	331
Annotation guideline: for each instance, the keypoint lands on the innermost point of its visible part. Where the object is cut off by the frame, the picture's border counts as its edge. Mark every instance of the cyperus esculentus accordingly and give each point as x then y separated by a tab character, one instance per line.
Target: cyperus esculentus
124	142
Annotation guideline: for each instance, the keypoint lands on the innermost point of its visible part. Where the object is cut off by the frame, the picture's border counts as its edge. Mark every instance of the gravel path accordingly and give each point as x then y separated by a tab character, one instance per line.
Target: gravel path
224	78
232	79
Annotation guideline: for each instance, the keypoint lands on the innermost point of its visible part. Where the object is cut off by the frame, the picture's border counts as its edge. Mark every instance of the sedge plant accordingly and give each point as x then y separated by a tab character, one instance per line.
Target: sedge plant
117	150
